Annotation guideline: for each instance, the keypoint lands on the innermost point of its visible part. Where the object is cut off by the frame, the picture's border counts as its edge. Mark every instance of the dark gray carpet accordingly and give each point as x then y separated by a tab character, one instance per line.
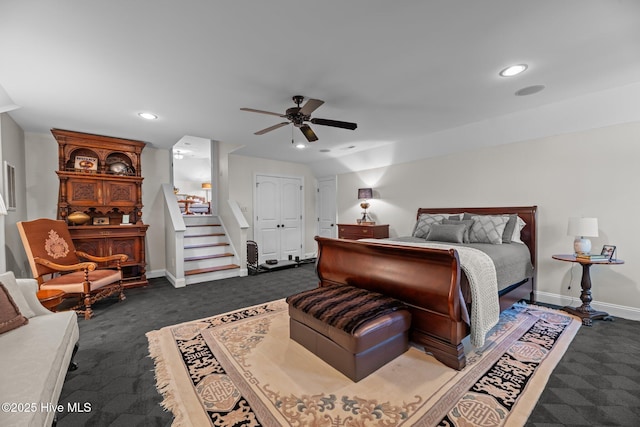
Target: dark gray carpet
596	383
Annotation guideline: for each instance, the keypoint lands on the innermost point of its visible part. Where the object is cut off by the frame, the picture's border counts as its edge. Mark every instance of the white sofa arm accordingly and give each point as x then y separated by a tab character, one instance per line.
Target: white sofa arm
29	288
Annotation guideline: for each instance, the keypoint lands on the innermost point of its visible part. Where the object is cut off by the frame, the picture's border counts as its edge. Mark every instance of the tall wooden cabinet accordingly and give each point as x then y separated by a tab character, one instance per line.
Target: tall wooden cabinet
101	176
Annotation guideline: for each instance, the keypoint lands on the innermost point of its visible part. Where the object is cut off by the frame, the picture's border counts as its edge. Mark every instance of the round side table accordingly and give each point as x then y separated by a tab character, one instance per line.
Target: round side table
585	311
50	298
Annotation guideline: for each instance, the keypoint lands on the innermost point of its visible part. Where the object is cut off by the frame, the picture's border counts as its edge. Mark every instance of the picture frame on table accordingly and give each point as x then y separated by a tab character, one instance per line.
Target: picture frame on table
101	220
609	251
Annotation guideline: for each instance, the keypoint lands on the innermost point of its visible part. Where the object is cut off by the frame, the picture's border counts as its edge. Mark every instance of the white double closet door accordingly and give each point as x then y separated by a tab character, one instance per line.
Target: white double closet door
278	221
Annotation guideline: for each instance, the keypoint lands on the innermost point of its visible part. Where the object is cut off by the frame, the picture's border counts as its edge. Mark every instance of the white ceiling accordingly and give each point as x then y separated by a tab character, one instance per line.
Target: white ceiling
401	69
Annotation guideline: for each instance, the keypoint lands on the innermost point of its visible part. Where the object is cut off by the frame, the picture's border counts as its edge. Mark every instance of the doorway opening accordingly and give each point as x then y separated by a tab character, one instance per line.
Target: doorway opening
192	171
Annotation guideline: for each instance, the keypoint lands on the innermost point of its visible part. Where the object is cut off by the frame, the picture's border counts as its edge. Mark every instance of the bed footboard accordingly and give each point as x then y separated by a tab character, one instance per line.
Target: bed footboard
427	280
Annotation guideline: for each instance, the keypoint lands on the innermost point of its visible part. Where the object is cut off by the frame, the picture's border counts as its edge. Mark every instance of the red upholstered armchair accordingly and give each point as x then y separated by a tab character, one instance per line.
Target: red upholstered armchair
56	264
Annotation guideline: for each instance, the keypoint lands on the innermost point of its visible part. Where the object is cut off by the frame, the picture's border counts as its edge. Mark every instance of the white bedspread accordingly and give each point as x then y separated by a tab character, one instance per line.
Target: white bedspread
481	273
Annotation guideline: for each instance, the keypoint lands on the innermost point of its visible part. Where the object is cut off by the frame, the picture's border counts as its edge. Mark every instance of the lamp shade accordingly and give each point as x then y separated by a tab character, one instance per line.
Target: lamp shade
206	186
586	227
365	193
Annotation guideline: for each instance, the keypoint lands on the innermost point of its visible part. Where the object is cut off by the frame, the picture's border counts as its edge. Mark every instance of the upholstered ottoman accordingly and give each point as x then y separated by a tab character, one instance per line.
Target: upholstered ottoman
354	330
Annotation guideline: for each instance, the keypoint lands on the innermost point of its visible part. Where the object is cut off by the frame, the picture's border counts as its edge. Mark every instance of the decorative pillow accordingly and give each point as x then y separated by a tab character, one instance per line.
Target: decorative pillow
468	223
9	281
487	229
10	316
508	229
424	223
452	233
515	238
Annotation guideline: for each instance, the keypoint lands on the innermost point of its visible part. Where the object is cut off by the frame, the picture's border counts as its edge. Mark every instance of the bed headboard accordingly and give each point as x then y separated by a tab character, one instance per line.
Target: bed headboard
527	213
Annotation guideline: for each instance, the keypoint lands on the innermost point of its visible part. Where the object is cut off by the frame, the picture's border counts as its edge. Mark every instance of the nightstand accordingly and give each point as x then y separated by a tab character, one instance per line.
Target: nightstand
358	231
585	311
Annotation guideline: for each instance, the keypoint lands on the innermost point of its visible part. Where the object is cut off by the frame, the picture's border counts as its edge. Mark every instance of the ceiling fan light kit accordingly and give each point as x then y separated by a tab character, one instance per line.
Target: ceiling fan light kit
298	116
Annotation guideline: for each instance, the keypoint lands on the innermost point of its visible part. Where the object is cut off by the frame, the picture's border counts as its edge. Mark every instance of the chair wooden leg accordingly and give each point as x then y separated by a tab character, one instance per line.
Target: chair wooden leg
88	312
121	296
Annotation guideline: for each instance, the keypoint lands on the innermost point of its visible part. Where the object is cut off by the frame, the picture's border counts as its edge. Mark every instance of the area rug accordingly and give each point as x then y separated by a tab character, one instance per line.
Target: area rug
241	369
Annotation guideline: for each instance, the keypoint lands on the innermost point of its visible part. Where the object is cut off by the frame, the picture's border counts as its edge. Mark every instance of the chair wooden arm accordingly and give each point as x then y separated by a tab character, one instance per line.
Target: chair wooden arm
116	257
86	266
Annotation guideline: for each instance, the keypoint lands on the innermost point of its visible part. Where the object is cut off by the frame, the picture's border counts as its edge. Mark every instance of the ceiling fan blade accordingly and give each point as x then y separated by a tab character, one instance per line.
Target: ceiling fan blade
253	110
270	128
308	133
334	123
311	106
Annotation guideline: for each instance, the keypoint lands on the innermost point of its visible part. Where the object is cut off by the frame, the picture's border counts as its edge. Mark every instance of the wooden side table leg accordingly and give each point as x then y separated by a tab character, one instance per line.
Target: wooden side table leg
585	311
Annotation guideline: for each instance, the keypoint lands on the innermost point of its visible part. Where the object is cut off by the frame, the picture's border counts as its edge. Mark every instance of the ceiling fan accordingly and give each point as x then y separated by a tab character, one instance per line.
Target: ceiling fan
299	115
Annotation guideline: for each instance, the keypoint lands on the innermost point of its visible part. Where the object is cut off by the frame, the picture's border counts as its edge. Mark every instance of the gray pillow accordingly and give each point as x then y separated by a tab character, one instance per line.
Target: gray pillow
452	233
509	228
425	221
488	229
468	223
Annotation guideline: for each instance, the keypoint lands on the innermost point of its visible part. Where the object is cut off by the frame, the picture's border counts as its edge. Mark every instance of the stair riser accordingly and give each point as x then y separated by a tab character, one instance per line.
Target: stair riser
205	277
204	263
197	219
204	240
210	250
197	231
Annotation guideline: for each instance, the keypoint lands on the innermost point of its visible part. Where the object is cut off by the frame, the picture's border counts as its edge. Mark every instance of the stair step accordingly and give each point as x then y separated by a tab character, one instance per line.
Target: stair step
206	235
207	245
199	258
203	225
210	269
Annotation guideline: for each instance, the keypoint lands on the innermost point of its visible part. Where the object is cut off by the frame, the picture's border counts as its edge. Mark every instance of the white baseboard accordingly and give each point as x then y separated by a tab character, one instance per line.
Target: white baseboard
177	283
631	313
153	274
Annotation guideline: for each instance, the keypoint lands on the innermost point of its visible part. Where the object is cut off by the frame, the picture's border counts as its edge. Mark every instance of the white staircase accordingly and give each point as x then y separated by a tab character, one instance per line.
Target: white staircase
207	252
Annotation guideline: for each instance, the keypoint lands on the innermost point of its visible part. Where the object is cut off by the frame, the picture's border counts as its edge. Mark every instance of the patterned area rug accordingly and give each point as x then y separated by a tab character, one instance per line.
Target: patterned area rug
241	369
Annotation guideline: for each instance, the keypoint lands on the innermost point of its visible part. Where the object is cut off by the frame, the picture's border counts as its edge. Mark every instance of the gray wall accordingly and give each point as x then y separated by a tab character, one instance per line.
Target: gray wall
12	151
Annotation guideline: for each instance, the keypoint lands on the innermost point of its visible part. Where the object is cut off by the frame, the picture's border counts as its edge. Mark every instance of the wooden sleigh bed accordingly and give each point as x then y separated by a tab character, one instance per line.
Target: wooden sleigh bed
429	281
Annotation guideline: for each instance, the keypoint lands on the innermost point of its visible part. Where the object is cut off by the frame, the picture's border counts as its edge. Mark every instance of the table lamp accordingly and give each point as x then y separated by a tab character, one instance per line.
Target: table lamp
365	194
581	228
206	186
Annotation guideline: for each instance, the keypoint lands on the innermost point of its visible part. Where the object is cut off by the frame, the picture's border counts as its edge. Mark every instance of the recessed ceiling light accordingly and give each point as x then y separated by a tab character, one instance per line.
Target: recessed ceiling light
513	70
325	150
300	146
148	116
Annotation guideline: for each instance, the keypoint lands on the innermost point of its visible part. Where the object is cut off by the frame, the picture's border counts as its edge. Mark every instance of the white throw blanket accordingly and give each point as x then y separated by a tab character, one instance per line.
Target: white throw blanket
481	273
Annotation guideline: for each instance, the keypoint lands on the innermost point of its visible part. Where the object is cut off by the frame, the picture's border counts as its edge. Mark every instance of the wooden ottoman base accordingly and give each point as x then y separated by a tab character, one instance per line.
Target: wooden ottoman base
372	345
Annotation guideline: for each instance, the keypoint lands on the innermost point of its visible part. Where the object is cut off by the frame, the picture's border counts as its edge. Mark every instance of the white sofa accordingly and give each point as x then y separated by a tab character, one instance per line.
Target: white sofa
34	358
